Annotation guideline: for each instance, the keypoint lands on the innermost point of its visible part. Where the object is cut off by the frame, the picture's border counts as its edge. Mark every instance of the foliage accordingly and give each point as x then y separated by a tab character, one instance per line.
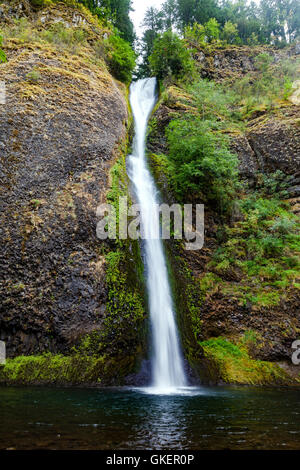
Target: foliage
200	165
232	364
170	57
117	12
200	22
264	247
195	34
33	76
271	83
120	58
113	11
230	32
115	51
2	53
201	162
212	30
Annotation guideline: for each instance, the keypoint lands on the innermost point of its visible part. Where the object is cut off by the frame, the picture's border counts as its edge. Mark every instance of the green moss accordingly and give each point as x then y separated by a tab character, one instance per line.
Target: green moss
231	363
58	369
124	328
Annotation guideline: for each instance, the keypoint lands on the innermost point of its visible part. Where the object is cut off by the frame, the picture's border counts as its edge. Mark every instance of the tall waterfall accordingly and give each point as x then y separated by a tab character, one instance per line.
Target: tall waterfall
167	367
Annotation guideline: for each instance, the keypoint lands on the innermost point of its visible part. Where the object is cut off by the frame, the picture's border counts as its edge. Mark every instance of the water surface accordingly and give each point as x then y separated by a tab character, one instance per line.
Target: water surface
115	419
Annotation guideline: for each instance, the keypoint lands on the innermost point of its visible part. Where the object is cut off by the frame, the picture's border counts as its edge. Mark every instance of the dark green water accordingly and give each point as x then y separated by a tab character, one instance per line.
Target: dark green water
208	418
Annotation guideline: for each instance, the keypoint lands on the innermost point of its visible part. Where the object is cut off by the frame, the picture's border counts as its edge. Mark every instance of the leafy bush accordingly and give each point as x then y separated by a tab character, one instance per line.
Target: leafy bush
230	32
2	53
170	57
201	162
212	30
200	165
33	76
195	34
120	58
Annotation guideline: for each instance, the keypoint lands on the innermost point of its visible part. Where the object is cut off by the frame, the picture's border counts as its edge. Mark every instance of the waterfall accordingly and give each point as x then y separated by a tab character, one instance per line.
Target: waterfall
167	367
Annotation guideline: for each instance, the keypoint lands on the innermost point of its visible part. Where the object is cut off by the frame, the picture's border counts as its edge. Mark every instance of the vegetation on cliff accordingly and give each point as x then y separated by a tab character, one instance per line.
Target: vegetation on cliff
213	23
110	12
248	270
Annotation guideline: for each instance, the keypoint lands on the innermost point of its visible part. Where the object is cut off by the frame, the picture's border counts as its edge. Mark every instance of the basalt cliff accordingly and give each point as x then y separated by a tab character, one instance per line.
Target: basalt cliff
73	307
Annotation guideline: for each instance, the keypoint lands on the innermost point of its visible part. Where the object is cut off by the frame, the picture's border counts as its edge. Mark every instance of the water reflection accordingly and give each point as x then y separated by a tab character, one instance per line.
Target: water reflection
203	418
163	424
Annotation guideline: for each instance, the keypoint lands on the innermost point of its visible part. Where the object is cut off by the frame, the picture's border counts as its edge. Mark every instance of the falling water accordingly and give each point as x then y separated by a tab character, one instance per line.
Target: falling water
167	368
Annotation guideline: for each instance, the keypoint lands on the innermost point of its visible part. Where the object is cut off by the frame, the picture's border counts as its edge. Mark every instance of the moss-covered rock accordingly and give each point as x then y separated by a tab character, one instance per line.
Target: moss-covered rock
64	125
76	369
223	361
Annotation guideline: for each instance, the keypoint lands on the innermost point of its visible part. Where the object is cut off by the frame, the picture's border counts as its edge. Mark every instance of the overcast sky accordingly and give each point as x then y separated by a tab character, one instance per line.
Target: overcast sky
140	7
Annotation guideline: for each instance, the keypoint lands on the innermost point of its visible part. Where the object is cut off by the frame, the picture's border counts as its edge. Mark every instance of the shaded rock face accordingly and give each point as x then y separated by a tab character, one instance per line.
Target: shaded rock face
59	135
276	142
231	62
271	143
278	327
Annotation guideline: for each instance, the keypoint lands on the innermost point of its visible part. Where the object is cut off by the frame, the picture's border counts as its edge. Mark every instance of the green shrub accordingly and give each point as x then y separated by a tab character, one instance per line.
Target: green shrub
2	53
230	32
212	30
201	162
261	91
170	57
120	58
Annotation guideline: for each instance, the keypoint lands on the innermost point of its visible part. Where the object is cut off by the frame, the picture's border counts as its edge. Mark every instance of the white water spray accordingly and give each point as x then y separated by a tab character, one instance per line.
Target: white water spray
167	367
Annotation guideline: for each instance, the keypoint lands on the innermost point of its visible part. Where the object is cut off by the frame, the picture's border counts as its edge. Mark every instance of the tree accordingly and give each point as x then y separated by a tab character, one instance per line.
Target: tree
120	10
170	57
120	58
212	30
153	22
170	14
230	32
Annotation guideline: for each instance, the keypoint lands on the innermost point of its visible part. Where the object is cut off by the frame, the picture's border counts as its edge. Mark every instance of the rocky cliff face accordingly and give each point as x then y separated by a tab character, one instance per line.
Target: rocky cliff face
61	129
232	62
269	142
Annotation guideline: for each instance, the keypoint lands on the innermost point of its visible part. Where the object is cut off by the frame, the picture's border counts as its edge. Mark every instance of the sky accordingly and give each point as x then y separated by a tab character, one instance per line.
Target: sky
140	7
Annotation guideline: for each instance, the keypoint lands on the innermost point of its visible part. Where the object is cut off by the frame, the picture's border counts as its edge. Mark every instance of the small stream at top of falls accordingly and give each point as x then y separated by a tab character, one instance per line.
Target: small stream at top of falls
166	361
